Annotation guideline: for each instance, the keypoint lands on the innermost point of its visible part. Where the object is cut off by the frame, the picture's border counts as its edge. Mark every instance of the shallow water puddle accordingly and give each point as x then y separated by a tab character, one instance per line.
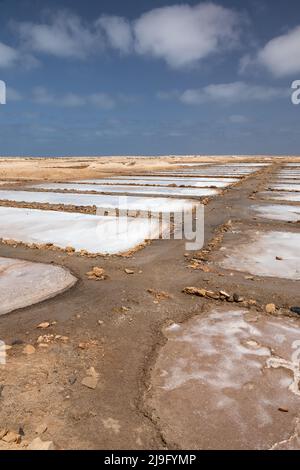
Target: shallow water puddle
258	255
278	212
217	382
103	201
124	189
23	283
96	234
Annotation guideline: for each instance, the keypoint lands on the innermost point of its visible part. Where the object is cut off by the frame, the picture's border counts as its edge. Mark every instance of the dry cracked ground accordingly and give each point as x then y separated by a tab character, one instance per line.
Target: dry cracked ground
162	348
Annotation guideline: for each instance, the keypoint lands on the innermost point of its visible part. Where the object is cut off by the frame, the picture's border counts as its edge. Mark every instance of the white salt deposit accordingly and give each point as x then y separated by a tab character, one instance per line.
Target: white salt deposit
281	196
191	182
103	200
258	256
278	212
219	369
128	189
285	187
96	234
23	283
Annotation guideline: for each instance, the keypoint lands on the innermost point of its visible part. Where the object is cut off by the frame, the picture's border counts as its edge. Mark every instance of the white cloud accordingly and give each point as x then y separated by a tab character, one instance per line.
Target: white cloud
281	55
8	56
118	32
43	96
231	93
182	35
63	36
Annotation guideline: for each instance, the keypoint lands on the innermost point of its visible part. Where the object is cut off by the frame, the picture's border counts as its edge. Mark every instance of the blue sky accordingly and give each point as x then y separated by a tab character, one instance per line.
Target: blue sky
149	78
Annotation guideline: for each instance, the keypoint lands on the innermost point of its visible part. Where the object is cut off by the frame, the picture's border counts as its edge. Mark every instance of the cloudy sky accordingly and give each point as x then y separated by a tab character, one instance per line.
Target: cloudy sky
115	77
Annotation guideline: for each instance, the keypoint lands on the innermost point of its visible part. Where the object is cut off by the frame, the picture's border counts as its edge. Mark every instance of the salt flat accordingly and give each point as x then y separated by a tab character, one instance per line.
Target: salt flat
214	384
278	212
258	255
285	187
128	189
103	200
152	181
281	195
96	234
157	180
23	283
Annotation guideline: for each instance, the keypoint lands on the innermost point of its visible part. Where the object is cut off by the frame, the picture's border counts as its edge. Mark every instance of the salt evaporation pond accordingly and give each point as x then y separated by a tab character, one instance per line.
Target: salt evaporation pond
218	381
103	201
152	181
96	234
258	255
281	196
278	212
124	189
23	283
285	187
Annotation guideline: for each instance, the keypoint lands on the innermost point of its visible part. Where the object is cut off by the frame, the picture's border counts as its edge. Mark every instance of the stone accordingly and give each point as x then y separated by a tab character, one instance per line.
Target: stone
41	428
12	437
90	382
29	349
237	298
97	274
129	271
223	293
296	310
3	433
38	444
43	325
270	308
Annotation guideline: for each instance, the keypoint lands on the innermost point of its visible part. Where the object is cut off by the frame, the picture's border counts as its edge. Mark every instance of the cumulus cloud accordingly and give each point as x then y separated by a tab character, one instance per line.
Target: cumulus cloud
8	56
118	32
281	55
182	35
63	36
231	93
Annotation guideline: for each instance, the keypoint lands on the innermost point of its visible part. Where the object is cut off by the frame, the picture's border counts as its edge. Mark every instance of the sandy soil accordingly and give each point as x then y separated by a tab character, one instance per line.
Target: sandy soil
116	325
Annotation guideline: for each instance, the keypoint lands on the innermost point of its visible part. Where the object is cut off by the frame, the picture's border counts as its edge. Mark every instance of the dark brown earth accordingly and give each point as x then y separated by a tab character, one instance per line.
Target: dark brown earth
115	326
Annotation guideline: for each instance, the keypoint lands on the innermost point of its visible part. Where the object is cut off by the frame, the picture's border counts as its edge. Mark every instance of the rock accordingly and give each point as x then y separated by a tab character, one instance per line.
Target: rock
3	433
43	325
97	274
29	349
38	444
90	382
237	298
223	293
12	437
41	428
278	258
270	308
129	271
195	291
92	372
296	310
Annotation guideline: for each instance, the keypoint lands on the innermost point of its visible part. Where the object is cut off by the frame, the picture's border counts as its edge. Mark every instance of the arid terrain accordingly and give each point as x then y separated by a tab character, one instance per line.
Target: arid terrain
144	344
